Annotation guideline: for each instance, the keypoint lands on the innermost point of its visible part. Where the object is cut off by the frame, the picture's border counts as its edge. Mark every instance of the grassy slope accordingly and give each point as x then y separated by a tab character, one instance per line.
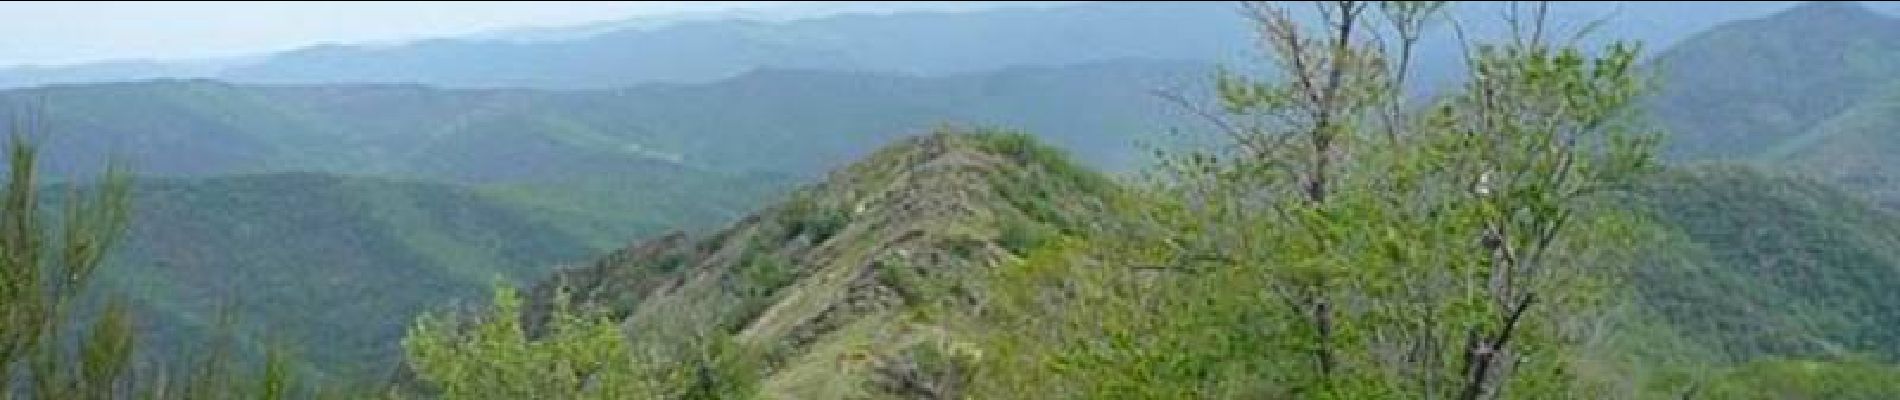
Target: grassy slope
825	275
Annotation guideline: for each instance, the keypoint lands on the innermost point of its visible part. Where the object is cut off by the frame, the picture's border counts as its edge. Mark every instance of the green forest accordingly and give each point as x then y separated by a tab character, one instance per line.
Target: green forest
1388	200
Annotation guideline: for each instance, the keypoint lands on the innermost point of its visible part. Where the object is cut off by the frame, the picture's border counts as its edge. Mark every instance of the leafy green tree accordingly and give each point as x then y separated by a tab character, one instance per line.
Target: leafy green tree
578	356
1344	243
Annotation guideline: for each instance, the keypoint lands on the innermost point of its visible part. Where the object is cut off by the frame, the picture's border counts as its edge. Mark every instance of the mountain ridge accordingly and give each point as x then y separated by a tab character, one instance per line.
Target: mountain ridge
795	122
828	273
1744	88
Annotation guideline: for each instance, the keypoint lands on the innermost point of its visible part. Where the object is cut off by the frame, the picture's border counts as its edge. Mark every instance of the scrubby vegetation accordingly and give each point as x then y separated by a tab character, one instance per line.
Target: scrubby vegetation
577	354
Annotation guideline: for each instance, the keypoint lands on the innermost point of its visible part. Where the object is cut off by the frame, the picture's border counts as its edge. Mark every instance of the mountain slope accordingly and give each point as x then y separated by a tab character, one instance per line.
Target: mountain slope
203	127
1815	89
787	122
1752	88
827	274
335	266
1854	147
916	42
1771	265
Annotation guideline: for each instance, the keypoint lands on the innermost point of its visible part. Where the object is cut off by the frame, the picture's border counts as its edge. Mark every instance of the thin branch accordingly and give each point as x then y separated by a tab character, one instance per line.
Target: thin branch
1234	133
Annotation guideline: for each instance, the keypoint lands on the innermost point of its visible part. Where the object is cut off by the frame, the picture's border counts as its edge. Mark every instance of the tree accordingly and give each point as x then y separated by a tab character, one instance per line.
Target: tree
575	355
44	267
1343	243
578	356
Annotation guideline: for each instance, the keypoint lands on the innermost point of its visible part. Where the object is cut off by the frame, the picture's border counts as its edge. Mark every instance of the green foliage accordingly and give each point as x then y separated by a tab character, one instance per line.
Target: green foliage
578	355
1343	243
44	270
46	273
1061	326
805	216
1346	245
755	283
1056	165
1043	179
1804	379
719	368
1023	236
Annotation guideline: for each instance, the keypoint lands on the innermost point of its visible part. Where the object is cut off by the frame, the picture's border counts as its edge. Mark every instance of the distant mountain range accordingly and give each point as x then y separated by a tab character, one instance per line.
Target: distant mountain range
710	47
398	198
790	122
772	13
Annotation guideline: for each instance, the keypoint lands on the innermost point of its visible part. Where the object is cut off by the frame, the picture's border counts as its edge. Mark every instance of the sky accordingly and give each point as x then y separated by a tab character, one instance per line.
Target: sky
61	33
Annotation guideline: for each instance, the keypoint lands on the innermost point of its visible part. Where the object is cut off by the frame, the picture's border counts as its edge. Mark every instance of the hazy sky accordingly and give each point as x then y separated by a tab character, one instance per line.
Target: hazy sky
53	33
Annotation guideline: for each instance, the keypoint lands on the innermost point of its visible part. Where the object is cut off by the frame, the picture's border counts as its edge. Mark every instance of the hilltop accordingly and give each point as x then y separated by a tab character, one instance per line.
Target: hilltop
1763	89
830	273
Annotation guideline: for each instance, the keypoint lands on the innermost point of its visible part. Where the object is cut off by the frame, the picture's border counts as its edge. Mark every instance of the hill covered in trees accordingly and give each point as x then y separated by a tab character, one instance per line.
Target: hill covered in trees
333	266
787	122
1810	89
1775	265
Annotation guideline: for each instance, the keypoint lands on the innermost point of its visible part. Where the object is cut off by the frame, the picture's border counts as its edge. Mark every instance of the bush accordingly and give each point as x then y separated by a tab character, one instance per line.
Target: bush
1021	237
805	216
579	357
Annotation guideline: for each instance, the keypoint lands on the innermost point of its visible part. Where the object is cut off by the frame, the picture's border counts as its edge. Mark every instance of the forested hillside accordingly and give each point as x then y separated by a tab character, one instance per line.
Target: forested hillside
1763	88
1775	266
1337	200
334	266
789	122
